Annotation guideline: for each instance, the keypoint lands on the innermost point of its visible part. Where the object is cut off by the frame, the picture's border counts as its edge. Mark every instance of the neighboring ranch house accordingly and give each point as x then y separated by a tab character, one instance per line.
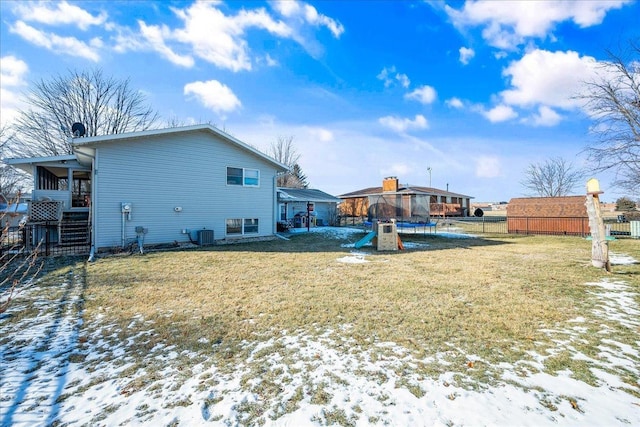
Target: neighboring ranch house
405	203
193	183
548	215
293	204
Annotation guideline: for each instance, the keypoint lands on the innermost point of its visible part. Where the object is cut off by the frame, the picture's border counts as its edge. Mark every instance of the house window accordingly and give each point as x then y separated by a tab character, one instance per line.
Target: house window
234	176
241	226
251	177
251	226
234	226
244	177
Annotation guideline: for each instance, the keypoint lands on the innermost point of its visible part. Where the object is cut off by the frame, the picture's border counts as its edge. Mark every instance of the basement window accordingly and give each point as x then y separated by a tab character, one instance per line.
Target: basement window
242	226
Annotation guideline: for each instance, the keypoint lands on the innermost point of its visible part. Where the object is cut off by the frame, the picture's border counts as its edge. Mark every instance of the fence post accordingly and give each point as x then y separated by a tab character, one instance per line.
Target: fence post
46	238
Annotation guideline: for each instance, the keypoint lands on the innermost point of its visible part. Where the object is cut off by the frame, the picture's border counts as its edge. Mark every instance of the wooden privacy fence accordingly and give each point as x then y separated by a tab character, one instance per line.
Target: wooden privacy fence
575	226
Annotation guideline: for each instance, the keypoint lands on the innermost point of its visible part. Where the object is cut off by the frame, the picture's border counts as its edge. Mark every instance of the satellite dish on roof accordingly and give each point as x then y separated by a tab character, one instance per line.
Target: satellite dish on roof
77	129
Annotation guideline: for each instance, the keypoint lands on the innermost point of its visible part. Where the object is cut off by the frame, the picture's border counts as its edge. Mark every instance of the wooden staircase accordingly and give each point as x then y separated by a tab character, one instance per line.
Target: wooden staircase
74	229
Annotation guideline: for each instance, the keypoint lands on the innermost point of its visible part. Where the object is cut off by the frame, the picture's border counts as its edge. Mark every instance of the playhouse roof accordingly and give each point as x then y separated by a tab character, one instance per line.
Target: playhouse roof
305	195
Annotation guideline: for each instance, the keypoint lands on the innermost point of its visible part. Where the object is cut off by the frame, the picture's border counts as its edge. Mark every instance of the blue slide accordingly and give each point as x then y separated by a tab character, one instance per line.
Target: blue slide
366	239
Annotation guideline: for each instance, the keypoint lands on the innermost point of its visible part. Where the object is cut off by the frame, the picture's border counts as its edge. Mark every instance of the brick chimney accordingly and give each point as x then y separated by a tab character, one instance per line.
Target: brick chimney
390	184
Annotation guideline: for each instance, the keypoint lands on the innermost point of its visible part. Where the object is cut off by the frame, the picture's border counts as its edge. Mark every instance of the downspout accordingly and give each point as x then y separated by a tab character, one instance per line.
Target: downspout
92	207
274	225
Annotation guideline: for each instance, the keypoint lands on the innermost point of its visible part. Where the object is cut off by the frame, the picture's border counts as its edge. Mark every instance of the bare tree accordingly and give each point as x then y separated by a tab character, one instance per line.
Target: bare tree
553	178
11	180
103	104
613	101
284	151
18	268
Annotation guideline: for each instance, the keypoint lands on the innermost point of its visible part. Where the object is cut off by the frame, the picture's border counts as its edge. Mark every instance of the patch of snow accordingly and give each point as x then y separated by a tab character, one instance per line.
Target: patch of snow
330	232
354	258
453	235
414	245
621	259
43	384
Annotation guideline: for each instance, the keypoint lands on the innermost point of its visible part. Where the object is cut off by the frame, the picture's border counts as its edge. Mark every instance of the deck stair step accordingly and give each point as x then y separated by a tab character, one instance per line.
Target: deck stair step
74	228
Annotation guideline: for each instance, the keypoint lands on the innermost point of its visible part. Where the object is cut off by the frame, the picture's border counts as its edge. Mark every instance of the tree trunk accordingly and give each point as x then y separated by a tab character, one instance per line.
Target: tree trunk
599	246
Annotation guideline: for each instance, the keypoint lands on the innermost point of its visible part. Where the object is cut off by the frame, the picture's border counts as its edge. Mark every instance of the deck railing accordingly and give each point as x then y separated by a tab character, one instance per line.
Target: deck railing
42	238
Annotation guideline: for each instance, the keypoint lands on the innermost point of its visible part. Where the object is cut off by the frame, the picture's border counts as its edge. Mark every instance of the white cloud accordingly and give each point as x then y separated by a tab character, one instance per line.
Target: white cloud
488	167
545	117
270	61
506	26
466	54
403	79
155	36
321	134
207	33
401	125
12	71
213	95
315	18
423	94
396	169
12	76
390	75
57	13
549	78
220	39
62	45
500	113
308	13
454	103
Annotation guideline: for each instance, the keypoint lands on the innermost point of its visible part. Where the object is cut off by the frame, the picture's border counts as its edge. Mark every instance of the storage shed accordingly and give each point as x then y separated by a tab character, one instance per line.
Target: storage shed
548	215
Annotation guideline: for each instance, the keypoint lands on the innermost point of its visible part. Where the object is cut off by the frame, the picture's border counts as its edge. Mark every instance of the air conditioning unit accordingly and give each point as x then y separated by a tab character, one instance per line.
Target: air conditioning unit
205	237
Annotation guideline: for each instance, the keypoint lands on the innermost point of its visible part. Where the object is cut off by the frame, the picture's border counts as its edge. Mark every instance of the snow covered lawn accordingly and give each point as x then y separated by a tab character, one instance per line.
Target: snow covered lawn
58	369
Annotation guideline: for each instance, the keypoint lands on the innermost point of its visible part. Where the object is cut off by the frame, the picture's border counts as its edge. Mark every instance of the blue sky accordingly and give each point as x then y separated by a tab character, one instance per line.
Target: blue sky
475	91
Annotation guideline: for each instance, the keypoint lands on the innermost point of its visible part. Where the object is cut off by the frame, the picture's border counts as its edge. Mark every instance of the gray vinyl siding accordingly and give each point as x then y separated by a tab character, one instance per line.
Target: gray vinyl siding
189	171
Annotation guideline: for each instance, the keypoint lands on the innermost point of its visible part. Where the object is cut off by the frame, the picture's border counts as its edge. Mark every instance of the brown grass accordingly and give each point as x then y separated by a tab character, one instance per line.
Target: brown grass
487	297
475	303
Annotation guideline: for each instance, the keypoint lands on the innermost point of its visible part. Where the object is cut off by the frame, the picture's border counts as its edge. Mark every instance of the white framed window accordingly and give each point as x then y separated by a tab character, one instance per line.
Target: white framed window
250	226
243	176
251	177
234	226
241	226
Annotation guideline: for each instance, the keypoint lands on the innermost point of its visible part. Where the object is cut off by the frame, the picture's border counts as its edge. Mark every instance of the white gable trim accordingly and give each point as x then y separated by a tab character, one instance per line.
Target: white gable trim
95	140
